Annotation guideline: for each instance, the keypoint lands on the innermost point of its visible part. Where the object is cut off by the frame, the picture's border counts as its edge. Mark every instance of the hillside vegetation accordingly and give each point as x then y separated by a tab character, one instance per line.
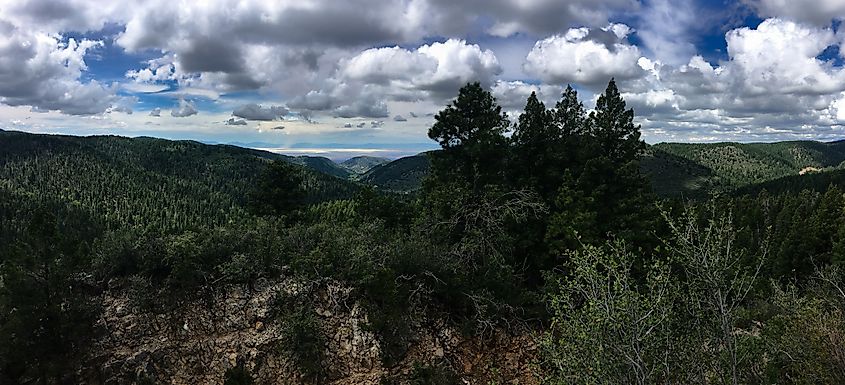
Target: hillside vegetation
736	165
153	261
679	169
401	175
362	164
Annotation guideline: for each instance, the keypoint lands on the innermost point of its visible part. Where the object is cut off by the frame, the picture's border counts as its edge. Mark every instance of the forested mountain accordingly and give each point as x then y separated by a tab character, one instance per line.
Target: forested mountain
401	175
158	183
321	164
565	252
678	169
362	164
735	165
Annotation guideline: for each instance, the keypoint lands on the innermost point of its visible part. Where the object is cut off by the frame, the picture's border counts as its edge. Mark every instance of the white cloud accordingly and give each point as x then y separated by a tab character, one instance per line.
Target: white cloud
781	56
437	67
233	121
576	57
773	86
365	82
44	71
665	30
819	12
512	95
186	108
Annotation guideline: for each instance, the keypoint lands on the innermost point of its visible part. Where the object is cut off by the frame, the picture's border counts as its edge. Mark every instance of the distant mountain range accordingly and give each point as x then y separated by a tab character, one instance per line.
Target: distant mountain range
675	169
362	164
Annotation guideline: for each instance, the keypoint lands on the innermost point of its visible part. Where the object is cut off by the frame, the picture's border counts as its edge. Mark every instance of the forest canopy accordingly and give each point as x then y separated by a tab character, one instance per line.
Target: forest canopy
545	222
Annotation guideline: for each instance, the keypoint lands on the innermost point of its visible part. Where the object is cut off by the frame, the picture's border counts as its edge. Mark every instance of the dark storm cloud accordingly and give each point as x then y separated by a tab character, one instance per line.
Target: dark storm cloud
207	54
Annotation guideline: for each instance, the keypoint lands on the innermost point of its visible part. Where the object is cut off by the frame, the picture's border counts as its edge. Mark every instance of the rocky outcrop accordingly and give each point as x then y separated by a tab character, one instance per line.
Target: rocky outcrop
200	341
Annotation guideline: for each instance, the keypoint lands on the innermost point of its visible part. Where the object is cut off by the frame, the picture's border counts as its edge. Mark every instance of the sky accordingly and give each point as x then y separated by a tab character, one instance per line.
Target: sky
367	76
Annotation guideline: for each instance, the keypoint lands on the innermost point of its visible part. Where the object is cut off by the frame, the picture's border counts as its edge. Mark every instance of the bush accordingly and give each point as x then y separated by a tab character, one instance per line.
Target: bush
302	341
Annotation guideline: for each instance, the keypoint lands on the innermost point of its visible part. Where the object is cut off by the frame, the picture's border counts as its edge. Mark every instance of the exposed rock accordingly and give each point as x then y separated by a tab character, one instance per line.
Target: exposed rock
201	340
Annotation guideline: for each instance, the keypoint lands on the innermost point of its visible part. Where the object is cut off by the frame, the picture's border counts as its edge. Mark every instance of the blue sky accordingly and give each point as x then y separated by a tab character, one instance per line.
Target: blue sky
366	76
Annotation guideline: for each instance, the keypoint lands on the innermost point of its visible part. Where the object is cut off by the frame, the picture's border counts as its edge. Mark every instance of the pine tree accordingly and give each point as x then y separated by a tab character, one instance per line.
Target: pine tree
279	190
569	115
471	132
533	139
613	126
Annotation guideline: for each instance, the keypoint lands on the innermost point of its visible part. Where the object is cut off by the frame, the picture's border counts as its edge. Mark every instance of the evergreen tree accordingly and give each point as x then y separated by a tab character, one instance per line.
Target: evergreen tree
471	132
613	126
533	139
279	190
569	115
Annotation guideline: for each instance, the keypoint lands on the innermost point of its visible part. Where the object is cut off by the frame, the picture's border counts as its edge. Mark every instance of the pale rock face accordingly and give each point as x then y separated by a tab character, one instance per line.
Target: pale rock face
200	341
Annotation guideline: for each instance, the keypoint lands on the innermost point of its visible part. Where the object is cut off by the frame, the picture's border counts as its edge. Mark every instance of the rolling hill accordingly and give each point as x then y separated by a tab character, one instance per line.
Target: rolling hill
401	175
133	181
735	165
362	164
676	169
321	164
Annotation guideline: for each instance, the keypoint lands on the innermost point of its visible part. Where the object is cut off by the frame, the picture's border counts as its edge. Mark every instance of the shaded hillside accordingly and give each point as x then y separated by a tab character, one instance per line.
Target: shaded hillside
159	183
736	165
674	176
321	164
401	175
362	164
817	181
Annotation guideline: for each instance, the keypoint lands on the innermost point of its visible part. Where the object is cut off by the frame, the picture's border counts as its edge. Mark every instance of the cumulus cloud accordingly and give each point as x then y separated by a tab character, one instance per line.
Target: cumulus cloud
186	108
367	108
773	83
773	78
782	56
67	15
585	56
440	68
512	95
155	112
253	111
665	30
233	121
509	17
121	108
363	83
44	71
819	12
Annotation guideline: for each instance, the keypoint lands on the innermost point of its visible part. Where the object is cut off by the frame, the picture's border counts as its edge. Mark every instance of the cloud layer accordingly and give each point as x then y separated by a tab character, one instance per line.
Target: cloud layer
329	64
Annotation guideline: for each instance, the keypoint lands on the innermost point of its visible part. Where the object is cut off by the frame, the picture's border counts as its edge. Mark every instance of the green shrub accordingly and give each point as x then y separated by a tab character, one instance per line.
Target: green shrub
302	341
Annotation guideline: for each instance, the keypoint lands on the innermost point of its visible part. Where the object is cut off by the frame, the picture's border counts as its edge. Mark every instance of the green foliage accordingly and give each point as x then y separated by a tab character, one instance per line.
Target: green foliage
302	340
46	317
608	328
279	190
613	127
500	220
403	175
723	167
470	131
804	338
